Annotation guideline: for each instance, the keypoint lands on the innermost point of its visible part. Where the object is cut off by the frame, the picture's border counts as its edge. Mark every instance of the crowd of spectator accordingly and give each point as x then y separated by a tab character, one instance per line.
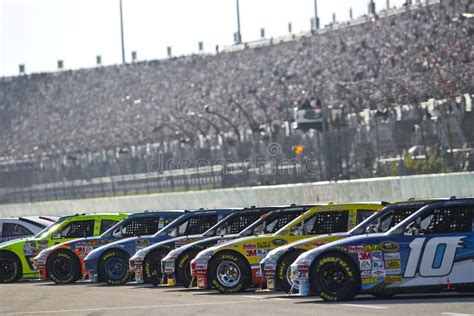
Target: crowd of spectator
421	53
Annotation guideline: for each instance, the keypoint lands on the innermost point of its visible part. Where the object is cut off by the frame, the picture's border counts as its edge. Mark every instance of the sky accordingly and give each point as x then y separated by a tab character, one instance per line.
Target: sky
38	33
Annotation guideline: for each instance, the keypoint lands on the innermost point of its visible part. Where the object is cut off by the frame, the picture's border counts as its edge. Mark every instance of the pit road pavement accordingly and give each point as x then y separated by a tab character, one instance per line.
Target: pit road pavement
39	298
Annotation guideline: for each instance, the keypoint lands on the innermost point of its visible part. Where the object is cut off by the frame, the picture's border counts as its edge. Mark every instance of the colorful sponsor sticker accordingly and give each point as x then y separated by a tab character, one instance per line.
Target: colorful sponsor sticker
265	244
249	246
391	256
393	271
392	264
369	280
365	264
355	249
393	279
378	273
377	256
365	273
365	256
389	246
262	252
251	252
369	248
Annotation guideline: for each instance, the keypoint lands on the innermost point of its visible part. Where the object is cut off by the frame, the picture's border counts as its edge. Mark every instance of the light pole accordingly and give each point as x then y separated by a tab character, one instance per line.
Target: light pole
121	33
316	19
239	35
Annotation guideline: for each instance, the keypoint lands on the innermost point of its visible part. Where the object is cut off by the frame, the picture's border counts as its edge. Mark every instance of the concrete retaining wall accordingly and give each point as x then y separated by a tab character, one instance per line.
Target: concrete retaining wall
387	189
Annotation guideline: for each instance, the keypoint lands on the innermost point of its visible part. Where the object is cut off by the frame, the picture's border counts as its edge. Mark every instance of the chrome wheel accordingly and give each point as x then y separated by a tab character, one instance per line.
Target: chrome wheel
228	274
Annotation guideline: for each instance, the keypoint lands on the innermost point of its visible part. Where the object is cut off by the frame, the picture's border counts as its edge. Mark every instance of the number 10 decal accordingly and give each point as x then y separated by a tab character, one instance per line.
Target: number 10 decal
435	259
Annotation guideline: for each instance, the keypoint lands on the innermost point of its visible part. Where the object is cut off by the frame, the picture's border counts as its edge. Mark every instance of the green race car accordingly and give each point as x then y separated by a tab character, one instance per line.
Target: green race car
16	257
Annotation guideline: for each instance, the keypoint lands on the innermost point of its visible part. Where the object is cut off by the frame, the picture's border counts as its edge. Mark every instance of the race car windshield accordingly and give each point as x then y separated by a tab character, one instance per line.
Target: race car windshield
383	221
49	230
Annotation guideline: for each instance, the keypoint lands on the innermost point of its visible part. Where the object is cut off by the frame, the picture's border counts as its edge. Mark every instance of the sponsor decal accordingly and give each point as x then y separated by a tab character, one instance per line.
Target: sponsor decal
391	256
365	273
251	253
393	279
365	256
369	280
392	264
369	248
365	264
181	242
377	256
393	271
249	246
378	273
355	249
389	246
262	252
265	244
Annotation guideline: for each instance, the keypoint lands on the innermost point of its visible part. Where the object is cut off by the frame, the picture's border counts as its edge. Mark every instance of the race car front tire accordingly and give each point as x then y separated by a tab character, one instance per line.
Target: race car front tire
10	267
114	267
335	277
63	267
183	269
229	273
152	267
283	269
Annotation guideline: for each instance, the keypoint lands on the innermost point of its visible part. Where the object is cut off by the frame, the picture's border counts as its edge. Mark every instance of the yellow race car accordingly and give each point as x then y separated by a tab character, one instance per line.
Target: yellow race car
234	266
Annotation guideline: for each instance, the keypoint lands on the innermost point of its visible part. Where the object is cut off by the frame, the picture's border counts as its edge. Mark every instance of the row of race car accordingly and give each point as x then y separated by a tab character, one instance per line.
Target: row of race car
336	251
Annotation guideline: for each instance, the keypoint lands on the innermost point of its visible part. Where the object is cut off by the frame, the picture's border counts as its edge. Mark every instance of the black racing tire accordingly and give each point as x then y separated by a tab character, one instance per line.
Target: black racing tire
283	268
114	267
63	267
229	273
183	269
335	277
152	267
10	267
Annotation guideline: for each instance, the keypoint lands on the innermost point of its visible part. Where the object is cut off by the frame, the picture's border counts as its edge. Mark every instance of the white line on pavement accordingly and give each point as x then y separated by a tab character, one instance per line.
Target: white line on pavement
456	314
365	306
126	308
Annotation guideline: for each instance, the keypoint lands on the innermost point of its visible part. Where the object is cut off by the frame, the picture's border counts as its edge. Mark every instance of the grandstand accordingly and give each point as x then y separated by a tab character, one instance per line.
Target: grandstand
393	83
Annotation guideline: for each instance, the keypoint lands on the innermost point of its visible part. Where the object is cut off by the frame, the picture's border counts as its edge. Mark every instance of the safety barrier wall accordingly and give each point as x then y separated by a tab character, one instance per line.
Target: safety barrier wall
375	189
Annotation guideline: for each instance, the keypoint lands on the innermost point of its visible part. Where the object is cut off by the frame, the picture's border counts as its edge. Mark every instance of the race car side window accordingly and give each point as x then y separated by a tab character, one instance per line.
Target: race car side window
139	227
77	229
323	223
442	221
236	224
15	230
198	225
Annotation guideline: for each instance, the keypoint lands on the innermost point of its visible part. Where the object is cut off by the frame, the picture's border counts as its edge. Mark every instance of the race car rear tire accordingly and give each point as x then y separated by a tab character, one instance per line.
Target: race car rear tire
229	273
115	268
283	269
335	277
10	267
183	269
63	267
152	267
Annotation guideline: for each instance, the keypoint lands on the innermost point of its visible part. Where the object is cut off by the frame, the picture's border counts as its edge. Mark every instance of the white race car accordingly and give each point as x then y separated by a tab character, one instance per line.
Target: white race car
21	227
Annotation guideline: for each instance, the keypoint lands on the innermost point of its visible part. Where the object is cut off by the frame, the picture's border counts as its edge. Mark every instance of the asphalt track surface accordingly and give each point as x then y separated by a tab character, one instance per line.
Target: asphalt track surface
43	298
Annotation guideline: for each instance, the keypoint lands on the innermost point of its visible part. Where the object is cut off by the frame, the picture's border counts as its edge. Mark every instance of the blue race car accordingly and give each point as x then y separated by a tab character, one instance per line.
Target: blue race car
63	263
111	262
430	251
176	264
275	266
142	262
